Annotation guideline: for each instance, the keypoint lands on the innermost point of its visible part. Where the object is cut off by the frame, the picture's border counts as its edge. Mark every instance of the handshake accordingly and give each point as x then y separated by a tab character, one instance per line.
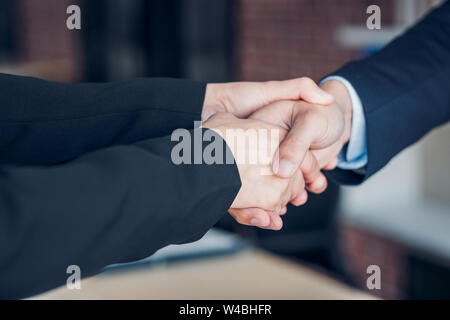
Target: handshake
287	132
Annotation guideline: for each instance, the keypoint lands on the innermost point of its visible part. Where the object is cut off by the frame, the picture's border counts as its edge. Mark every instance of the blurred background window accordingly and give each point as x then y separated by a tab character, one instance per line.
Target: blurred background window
6	30
172	38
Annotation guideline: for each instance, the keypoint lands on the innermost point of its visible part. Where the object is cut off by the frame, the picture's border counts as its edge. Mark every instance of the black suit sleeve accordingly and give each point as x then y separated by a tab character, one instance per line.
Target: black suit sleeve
43	122
111	206
404	89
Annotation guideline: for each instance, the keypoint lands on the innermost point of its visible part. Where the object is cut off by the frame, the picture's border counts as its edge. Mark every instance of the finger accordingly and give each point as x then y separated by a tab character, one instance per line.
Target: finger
331	165
297	89
283	211
276	223
294	147
300	199
296	186
251	217
315	180
310	168
278	113
318	186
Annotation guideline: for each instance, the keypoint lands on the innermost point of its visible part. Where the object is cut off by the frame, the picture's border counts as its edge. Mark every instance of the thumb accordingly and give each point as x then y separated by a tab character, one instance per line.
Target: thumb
297	89
294	148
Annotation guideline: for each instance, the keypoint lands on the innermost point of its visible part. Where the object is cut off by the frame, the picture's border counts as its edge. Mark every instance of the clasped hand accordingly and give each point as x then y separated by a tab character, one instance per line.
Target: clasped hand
299	127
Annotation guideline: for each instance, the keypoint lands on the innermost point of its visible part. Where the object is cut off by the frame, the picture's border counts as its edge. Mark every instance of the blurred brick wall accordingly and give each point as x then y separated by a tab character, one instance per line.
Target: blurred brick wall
279	39
45	46
361	248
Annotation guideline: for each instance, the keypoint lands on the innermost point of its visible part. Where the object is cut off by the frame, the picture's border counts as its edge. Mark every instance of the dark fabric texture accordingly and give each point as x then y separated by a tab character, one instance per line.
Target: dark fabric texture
85	180
43	122
404	89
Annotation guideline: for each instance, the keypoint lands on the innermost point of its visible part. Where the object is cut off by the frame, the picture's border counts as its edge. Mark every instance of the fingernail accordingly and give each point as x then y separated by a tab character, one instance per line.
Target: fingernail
304	197
286	169
320	183
254	222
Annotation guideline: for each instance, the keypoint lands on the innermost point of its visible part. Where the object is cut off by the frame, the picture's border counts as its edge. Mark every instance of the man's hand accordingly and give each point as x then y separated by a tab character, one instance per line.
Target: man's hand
263	195
322	129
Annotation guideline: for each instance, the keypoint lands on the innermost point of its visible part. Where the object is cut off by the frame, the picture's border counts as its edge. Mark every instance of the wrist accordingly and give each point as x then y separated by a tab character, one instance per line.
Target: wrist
211	103
343	102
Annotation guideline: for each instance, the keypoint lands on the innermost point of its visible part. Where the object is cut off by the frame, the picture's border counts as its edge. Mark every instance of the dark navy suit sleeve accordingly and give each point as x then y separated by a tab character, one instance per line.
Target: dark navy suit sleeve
43	122
114	205
404	89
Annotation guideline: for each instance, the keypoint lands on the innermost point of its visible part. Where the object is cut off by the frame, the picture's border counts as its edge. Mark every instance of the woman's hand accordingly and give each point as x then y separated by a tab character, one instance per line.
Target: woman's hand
263	196
244	98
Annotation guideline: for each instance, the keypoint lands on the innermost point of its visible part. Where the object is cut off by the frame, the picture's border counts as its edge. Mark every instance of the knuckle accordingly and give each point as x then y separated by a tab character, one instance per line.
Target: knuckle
273	202
312	173
312	115
306	81
290	149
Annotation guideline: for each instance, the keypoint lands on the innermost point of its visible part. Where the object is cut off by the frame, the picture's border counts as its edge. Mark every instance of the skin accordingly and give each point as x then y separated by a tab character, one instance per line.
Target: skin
313	129
258	190
259	193
244	98
323	130
318	124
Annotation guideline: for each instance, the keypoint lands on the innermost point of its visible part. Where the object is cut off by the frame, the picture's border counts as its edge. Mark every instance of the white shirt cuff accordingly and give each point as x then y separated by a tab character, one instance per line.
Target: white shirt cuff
353	156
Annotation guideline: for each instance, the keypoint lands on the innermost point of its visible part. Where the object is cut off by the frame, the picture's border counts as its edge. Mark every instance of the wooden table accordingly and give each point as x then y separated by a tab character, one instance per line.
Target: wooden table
250	274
